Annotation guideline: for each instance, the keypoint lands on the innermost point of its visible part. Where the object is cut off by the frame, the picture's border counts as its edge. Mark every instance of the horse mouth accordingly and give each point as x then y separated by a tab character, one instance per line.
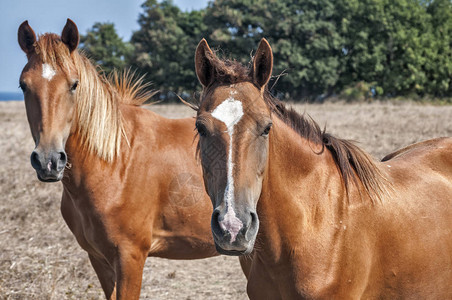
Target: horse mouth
46	177
232	252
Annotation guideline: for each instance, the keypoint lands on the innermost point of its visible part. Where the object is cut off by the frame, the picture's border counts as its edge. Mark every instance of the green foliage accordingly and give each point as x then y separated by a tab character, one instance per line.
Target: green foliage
165	46
303	35
398	45
103	45
438	66
360	91
355	48
385	43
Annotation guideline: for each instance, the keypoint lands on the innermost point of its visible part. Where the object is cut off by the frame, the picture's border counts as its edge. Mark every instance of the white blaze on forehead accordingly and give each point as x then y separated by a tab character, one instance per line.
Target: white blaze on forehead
230	111
47	71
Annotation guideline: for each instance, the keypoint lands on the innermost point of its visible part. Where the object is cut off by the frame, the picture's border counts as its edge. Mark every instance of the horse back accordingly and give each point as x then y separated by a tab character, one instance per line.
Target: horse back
413	225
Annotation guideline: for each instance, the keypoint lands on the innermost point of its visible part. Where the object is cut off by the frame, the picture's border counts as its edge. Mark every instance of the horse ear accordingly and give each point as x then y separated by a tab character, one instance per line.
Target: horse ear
70	35
203	65
262	64
26	37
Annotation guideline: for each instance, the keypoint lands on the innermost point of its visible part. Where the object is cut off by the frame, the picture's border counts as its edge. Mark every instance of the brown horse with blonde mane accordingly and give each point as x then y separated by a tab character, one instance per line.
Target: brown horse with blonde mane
132	185
321	218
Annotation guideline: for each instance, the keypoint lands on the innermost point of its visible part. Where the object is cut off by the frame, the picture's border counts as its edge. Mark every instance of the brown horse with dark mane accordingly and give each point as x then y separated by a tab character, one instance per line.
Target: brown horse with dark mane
132	185
321	218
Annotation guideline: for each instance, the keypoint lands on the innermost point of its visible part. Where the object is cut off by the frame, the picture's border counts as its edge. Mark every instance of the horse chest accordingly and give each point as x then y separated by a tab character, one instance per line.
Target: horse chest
87	223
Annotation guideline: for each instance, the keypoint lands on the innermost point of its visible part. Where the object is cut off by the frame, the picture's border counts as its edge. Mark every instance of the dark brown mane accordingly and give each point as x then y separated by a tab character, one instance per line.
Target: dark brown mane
354	164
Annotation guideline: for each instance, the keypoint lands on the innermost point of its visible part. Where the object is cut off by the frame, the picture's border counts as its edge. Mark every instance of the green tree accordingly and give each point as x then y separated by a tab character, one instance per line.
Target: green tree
439	63
165	45
105	47
303	36
406	28
390	46
383	47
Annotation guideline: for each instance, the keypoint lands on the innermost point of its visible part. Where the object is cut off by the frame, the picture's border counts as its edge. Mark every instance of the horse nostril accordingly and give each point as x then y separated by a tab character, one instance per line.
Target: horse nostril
35	162
61	160
63	157
215	223
253	227
215	216
253	217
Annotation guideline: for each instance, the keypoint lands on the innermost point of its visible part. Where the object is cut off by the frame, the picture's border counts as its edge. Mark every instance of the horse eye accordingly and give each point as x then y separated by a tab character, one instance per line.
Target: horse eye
202	130
267	130
74	86
23	86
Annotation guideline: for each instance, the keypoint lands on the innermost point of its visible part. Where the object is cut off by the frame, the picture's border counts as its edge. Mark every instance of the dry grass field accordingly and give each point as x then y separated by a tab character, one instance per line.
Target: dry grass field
40	259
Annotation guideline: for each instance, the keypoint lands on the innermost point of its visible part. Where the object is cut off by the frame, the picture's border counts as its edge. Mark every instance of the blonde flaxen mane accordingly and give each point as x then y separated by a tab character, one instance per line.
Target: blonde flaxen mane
98	118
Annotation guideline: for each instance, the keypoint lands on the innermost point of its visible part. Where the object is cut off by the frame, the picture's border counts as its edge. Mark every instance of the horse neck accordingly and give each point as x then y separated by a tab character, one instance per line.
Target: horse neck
302	193
82	162
82	165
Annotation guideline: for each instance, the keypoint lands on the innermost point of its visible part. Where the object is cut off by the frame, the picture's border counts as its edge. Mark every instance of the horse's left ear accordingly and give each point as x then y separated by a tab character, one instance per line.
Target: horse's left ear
70	35
262	64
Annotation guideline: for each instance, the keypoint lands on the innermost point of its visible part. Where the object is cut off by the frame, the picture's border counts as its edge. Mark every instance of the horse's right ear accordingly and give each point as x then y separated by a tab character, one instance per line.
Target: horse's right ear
203	65
26	37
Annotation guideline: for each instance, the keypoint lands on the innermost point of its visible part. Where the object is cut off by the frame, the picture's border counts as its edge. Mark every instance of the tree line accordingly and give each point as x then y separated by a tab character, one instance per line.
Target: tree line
347	48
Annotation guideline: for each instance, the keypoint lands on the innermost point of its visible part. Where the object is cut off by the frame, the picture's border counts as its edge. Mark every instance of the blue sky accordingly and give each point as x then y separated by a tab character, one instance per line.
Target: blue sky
50	16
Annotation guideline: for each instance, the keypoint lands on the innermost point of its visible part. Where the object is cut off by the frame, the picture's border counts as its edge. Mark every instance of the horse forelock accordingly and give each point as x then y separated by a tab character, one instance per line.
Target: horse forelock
53	52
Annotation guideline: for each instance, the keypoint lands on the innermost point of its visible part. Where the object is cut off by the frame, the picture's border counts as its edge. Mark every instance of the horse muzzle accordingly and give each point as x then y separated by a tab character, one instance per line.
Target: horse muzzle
49	166
234	234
